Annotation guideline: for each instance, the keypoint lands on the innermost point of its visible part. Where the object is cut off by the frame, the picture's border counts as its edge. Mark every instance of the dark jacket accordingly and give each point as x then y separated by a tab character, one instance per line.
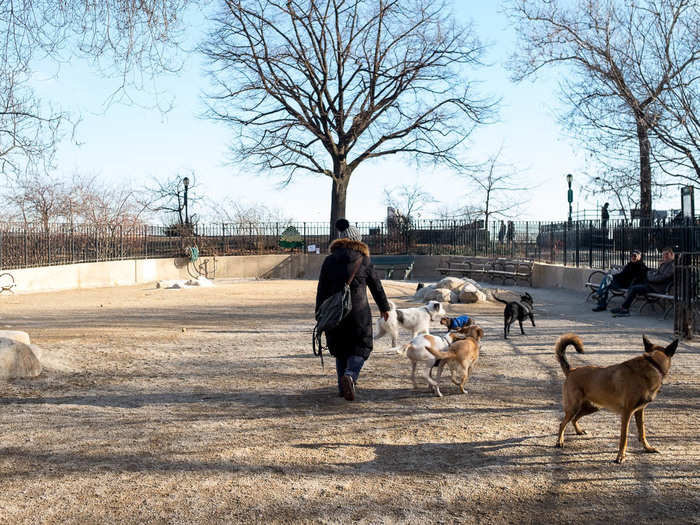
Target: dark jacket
658	279
354	334
632	273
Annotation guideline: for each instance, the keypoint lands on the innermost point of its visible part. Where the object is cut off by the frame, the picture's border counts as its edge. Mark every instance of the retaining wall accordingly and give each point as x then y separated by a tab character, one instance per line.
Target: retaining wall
295	266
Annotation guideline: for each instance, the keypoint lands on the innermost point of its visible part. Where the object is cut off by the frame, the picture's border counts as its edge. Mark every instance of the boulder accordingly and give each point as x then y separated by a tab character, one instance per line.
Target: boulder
450	283
17	360
15	335
454	297
438	294
420	294
471	294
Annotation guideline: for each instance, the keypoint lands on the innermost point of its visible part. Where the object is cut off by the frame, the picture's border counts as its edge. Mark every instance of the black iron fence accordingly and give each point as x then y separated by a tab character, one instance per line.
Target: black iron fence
686	294
579	243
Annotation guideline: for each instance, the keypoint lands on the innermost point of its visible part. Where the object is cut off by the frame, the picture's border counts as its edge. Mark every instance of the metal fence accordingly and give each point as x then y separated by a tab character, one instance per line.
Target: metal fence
579	243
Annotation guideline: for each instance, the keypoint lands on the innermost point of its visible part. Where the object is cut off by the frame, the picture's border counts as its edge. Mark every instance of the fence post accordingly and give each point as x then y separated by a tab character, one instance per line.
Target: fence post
431	238
527	238
578	239
25	247
304	237
566	239
1	245
552	251
454	237
590	244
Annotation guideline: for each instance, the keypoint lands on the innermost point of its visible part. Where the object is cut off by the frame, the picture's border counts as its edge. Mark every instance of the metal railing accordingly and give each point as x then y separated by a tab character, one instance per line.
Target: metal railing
579	243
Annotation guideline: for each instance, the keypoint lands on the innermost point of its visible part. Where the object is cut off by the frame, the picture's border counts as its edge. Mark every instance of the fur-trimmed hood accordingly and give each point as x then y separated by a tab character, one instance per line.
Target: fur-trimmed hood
348	244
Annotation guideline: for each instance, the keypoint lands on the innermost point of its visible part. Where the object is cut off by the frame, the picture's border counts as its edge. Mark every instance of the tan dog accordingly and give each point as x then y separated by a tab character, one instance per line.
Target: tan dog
626	388
421	350
460	356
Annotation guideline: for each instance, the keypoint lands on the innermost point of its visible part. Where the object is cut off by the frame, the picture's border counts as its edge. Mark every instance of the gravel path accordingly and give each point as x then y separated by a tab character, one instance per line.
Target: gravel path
206	406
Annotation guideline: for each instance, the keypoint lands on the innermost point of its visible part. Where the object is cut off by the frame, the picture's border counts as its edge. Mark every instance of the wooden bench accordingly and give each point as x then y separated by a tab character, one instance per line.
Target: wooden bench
665	299
479	268
593	283
512	270
391	263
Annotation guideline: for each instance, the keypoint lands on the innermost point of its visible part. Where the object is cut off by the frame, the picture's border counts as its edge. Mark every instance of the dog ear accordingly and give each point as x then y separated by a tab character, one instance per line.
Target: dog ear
671	349
648	345
436	306
479	332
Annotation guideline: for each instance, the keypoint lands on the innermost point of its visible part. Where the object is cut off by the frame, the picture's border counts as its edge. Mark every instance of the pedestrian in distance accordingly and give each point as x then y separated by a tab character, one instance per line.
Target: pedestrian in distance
351	341
604	216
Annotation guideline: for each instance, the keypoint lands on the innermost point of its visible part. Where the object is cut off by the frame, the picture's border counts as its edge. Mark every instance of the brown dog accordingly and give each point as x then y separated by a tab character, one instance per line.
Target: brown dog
460	356
626	388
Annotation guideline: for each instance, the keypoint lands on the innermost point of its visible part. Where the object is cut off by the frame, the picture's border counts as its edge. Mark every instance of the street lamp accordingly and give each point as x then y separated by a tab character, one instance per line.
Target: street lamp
570	193
186	183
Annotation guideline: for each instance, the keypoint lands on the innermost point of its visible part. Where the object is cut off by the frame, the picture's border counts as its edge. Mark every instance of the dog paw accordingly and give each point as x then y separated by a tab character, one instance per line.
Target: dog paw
619	459
581	432
559	444
652	450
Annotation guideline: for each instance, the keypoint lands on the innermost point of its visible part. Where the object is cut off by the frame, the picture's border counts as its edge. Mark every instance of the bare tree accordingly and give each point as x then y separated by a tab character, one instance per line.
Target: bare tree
678	129
321	86
408	201
496	187
129	40
173	197
624	56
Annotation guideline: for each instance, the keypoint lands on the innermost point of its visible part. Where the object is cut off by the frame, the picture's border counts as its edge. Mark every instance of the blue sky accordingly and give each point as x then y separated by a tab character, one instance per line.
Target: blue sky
135	145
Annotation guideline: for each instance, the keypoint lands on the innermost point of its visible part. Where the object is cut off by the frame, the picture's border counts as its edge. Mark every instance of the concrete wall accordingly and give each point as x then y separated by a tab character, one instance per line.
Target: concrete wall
294	266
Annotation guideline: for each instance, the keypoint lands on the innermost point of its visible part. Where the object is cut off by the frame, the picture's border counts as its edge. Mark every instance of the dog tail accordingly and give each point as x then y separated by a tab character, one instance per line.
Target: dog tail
559	348
499	300
440	354
392	306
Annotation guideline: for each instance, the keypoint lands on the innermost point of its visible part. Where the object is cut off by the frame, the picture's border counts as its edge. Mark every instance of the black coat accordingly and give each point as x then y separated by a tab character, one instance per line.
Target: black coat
354	334
632	273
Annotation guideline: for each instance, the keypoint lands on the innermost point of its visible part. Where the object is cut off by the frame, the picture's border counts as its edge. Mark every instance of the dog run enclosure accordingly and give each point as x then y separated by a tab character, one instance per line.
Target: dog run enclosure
579	243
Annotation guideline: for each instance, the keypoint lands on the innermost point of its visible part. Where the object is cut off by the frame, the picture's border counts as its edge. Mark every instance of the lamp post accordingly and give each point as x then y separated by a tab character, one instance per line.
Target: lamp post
186	184
570	193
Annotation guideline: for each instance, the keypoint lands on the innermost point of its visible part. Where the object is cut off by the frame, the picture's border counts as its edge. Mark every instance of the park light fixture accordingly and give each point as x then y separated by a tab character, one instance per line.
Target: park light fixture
570	193
186	183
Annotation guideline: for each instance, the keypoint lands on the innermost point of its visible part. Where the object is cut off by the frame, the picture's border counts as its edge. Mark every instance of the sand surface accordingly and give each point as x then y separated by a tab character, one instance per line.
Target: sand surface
205	405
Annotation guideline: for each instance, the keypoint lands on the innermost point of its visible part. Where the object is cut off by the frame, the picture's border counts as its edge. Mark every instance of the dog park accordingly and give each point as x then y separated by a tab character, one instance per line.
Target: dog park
206	404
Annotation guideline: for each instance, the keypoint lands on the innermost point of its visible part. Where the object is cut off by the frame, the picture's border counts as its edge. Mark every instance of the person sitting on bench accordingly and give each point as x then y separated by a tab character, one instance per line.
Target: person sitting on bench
634	272
656	282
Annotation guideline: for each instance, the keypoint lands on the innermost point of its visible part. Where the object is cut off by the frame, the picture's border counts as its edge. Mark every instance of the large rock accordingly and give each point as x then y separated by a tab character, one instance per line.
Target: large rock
17	359
471	294
420	294
450	283
438	294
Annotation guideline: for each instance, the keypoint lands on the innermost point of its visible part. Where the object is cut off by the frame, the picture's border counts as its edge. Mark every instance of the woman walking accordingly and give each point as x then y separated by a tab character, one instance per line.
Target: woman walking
351	341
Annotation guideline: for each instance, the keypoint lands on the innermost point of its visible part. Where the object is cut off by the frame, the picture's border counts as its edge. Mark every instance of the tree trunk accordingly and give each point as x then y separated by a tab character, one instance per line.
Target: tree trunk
644	168
338	201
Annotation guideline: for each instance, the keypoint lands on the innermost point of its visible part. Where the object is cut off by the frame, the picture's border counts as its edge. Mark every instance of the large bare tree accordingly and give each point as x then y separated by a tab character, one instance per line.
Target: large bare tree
623	59
124	39
321	86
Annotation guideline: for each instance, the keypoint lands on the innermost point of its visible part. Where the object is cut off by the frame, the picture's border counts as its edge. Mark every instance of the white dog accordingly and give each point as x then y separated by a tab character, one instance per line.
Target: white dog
417	320
417	351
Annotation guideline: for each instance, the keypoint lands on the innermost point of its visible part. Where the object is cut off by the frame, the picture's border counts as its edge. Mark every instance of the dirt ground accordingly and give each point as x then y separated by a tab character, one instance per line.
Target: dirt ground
206	406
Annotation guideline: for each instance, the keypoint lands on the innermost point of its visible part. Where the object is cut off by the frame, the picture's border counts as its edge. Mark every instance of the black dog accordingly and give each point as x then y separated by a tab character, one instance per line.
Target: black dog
516	310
